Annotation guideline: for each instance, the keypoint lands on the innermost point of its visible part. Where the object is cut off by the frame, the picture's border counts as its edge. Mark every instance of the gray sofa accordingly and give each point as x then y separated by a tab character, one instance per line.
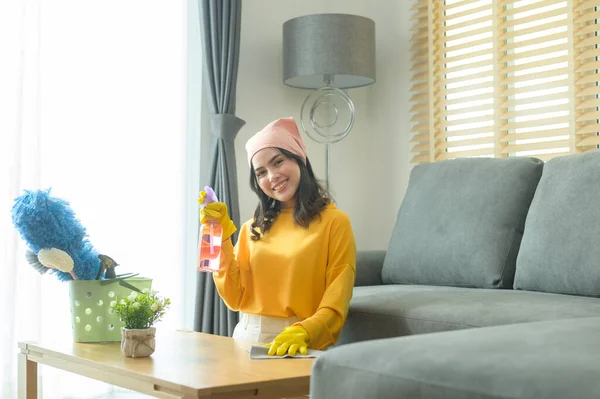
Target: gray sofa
488	289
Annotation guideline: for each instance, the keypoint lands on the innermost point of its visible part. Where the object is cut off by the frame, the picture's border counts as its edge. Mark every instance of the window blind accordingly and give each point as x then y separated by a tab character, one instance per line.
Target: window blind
498	78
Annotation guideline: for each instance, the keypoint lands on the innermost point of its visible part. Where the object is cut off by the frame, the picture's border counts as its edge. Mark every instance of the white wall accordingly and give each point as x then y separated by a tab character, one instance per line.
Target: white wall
369	169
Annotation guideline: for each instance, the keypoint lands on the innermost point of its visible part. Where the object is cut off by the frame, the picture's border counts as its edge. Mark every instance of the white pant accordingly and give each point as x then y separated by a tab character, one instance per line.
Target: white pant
256	329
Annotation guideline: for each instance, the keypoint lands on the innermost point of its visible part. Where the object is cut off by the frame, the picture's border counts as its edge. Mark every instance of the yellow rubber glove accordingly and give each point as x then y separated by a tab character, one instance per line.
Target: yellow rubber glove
217	211
293	339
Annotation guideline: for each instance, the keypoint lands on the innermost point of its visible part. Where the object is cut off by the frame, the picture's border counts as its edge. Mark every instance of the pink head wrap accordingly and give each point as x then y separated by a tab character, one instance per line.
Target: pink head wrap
282	133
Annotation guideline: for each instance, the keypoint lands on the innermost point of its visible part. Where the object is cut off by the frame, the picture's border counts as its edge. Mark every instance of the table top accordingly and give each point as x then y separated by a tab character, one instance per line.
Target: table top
196	361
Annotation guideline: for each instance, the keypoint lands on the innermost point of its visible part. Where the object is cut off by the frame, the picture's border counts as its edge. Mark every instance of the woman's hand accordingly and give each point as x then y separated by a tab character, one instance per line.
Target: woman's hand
293	339
216	211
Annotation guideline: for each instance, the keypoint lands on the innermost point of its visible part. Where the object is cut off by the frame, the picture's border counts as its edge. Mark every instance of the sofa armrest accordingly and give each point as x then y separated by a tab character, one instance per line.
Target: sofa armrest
368	267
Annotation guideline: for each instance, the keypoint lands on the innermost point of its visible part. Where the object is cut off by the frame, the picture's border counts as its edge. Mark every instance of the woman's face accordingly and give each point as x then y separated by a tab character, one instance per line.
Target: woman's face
278	176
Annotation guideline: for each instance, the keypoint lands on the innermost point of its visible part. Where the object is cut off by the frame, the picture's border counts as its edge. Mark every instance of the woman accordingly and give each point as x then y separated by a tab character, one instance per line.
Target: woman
292	271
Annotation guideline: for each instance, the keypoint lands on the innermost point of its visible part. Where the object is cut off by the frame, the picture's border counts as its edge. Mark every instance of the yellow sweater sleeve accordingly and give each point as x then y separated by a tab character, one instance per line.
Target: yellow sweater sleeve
325	325
228	279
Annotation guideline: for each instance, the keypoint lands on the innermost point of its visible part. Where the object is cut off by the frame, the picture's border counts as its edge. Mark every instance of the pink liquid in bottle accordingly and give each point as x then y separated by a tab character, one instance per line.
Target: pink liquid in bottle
209	247
209	242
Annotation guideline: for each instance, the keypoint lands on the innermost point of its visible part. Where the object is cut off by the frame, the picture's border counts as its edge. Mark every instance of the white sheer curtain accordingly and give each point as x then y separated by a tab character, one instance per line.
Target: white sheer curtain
93	105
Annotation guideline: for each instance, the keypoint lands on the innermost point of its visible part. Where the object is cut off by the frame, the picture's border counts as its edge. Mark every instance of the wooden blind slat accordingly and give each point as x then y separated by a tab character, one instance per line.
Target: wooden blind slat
589	116
465	24
473	108
512	11
420	108
586	30
420	148
419	87
418	46
470	76
535	123
545	145
509	57
444	145
588	141
510	35
420	14
467	89
420	97
459	122
536	87
588	91
420	76
463	154
454	101
535	51
534	135
535	111
589	54
419	67
547	157
540	63
418	5
588	17
420	138
586	5
595	103
466	67
465	132
511	23
590	41
420	128
465	13
589	66
589	78
467	56
536	75
419	159
471	43
420	117
449	7
588	128
473	33
544	97
419	26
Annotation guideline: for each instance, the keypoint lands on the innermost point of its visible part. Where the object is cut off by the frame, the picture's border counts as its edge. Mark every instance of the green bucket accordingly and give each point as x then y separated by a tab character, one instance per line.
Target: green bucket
92	319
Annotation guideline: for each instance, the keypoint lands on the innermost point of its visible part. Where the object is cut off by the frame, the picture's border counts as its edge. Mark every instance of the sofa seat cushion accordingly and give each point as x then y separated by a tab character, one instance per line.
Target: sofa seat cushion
546	360
395	310
461	221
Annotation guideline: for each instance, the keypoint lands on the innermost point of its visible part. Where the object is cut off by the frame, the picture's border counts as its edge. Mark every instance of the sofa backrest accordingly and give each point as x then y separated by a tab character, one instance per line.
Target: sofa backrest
461	223
560	251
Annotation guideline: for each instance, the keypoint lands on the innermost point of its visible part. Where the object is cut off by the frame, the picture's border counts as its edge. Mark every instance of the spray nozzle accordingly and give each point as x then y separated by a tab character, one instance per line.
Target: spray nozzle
210	197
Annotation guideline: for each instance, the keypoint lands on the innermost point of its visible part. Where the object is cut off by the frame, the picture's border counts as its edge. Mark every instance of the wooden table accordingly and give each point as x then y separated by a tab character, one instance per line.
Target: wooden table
185	364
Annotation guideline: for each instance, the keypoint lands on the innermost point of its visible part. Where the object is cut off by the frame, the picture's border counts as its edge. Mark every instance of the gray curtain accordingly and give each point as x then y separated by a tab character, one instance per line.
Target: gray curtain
220	25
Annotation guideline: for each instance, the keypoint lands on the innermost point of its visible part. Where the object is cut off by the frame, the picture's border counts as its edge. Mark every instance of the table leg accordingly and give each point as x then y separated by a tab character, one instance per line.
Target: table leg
27	376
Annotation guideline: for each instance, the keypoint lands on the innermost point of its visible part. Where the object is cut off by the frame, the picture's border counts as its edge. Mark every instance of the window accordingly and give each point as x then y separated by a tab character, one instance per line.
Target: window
499	78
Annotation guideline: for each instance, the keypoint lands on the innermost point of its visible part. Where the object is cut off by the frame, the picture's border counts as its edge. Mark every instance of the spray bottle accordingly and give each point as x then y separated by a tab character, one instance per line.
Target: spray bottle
209	242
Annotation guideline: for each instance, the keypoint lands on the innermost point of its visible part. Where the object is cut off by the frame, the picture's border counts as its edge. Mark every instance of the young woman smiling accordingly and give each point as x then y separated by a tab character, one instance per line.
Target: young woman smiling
292	271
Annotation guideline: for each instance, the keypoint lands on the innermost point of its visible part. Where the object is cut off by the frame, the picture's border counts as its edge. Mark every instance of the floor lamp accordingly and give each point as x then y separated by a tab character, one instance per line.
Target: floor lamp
328	53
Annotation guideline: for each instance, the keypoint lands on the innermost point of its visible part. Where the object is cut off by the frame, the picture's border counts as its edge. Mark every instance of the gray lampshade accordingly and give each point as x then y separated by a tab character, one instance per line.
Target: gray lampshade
340	47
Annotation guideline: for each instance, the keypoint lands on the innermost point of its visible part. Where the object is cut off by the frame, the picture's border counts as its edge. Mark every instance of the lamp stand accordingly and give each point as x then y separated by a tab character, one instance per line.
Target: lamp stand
327	145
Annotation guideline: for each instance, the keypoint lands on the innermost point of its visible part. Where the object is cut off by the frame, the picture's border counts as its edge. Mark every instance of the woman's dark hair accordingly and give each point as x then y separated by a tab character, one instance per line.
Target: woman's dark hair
311	198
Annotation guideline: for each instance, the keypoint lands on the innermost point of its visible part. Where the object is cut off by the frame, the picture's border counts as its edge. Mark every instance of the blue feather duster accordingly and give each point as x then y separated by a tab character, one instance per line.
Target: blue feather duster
46	222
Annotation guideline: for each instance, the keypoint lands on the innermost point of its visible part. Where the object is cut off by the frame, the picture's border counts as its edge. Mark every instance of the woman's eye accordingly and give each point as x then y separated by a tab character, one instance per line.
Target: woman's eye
260	174
278	162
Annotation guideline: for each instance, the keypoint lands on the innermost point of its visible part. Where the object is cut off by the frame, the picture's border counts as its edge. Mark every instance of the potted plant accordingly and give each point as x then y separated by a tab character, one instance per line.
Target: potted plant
139	311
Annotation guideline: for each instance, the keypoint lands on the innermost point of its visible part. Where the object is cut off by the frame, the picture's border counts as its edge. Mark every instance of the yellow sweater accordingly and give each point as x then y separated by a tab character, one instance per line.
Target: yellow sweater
294	271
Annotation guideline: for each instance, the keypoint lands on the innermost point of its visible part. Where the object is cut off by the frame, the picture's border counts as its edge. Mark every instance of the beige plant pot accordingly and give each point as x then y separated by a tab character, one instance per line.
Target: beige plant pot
138	342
